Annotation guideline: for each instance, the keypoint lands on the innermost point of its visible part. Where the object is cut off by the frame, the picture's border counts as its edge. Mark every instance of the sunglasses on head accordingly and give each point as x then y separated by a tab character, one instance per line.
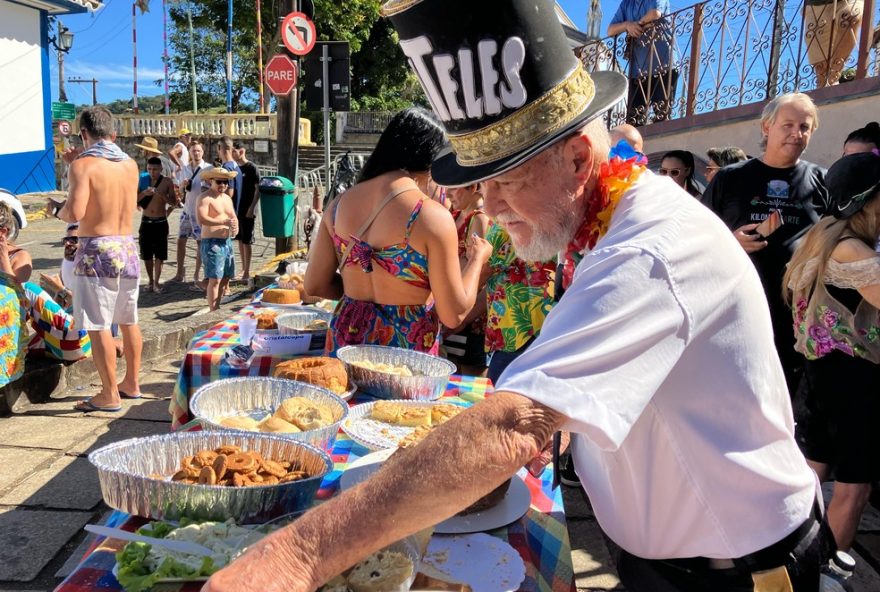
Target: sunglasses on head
670	172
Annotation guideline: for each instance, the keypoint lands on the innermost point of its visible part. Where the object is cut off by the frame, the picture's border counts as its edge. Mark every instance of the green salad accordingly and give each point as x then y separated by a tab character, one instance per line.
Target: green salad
141	565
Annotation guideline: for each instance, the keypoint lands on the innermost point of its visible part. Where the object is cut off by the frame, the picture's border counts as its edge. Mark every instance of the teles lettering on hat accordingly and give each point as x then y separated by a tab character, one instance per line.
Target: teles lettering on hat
493	94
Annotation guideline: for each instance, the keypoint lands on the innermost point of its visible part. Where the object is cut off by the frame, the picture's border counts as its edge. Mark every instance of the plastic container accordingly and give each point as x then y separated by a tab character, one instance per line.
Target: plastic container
278	206
836	575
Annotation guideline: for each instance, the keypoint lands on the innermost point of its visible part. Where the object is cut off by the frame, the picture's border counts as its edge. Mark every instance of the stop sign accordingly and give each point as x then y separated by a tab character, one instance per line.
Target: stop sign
280	74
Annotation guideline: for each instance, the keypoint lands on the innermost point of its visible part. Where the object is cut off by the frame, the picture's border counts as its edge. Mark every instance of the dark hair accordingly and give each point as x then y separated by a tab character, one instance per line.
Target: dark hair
238	145
687	158
870	134
155	160
226	141
411	141
97	121
726	156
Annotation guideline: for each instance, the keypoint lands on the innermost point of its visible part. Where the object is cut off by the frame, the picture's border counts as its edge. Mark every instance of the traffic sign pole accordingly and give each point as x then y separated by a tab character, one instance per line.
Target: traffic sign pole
325	62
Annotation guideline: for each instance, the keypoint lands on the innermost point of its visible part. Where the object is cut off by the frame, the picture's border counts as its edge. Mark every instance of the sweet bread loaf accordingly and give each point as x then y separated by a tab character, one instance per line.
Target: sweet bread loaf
320	371
239	422
278	426
281	296
304	413
383	571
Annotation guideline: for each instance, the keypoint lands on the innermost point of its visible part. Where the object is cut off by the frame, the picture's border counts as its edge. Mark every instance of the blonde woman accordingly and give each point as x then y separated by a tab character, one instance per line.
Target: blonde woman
833	286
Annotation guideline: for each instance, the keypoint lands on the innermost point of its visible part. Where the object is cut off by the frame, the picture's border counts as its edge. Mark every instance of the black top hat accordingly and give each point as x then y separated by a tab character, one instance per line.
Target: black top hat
852	181
501	77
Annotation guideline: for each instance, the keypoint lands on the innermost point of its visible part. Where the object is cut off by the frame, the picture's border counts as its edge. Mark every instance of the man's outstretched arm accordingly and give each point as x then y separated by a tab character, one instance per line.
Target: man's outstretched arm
458	463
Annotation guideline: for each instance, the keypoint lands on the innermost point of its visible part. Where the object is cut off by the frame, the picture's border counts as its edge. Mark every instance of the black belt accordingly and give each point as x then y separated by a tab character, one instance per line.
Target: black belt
153	219
783	551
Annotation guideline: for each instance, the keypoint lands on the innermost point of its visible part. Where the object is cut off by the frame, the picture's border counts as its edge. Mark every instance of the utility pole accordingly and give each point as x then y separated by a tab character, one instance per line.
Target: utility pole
192	58
287	134
94	84
229	56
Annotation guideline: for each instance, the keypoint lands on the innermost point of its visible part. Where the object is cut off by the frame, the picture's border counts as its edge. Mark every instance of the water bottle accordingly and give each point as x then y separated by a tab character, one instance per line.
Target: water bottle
835	576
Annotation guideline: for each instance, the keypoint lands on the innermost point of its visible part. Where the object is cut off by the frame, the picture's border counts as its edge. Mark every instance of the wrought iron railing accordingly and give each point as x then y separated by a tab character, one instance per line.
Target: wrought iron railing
364	122
726	53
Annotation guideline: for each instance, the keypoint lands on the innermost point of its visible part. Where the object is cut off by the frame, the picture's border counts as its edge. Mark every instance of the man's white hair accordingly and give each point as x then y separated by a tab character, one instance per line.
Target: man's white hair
771	111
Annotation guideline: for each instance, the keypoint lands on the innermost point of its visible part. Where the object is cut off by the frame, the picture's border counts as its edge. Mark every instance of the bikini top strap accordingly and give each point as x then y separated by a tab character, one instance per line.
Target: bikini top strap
412	218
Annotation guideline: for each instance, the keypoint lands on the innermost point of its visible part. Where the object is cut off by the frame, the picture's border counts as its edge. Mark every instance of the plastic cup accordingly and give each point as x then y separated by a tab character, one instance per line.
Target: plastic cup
247	328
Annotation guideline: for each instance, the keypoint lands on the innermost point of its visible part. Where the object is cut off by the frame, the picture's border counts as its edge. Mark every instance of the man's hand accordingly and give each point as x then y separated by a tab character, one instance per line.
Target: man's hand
633	29
233	226
71	154
537	464
749	241
250	213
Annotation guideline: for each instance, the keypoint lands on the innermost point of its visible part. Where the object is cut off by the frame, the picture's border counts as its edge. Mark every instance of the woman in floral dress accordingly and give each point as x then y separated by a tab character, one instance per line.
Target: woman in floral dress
833	283
399	277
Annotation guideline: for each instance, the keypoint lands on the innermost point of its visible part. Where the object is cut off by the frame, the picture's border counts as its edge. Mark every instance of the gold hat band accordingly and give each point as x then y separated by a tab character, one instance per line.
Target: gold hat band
393	7
554	110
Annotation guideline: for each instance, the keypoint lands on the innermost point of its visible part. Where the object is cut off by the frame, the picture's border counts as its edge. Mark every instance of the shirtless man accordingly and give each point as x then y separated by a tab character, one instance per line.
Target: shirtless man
216	214
102	184
156	201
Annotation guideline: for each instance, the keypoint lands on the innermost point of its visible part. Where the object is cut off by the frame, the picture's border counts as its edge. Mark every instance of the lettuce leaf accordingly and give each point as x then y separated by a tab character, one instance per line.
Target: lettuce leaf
133	573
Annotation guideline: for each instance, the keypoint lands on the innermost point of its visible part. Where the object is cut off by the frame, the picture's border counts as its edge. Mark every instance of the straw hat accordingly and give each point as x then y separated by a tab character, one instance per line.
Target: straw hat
218	173
150	144
503	81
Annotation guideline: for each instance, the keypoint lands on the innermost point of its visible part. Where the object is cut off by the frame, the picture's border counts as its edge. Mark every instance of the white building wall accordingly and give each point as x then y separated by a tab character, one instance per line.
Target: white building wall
22	121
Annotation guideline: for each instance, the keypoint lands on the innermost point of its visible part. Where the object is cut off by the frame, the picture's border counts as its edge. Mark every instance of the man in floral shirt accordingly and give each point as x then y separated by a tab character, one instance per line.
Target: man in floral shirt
519	295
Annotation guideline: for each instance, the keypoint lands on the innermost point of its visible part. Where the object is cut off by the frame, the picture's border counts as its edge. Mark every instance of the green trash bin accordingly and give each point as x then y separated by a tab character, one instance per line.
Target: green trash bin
278	206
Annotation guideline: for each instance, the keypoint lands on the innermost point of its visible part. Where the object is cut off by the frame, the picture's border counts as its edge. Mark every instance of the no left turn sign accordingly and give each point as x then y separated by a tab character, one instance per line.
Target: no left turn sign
298	33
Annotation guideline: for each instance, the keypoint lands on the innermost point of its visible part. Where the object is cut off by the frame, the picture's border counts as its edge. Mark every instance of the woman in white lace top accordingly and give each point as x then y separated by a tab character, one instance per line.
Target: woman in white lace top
833	285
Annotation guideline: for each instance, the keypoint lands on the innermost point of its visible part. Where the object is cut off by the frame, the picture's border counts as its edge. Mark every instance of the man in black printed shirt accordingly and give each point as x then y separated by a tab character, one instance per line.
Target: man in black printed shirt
746	193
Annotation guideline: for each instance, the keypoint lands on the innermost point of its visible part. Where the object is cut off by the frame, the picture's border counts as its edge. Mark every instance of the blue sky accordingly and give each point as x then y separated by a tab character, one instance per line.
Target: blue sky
102	48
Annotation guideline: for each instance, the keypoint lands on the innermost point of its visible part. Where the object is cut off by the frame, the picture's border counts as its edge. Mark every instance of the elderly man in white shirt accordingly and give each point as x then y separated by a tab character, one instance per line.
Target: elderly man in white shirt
659	358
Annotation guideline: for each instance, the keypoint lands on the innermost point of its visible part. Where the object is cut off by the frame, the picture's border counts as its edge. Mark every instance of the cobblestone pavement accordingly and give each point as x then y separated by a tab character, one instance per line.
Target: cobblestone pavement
48	490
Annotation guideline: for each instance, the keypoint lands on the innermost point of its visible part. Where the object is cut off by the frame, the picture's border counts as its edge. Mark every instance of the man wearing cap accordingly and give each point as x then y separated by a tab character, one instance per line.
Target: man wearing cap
657	360
179	155
216	215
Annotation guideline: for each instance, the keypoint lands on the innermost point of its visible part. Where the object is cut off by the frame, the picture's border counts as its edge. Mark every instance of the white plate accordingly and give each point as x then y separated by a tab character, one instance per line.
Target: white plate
377	435
484	562
515	503
361	469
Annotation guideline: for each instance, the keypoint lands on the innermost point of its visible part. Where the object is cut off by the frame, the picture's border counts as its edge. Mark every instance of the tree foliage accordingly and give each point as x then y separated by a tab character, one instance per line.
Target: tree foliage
380	77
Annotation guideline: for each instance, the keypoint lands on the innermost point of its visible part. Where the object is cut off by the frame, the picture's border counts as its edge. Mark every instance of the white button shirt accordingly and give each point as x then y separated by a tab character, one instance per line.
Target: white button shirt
661	356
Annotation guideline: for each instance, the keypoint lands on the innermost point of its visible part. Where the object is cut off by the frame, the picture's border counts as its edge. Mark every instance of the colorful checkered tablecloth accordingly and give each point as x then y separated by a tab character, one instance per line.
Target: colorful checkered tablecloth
540	536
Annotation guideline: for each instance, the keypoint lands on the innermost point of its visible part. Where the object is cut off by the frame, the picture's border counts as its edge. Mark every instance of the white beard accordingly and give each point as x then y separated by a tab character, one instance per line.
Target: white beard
549	240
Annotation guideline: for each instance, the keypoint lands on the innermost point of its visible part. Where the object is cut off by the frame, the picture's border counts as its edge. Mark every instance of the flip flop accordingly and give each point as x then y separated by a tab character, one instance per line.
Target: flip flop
196	288
125	395
87	406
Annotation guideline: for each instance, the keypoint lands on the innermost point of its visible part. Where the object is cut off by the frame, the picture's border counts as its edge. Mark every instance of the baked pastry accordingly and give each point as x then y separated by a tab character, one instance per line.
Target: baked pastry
240	422
444	412
386	412
492	499
304	413
401	370
320	371
281	296
413	416
277	425
380	572
267	321
337	584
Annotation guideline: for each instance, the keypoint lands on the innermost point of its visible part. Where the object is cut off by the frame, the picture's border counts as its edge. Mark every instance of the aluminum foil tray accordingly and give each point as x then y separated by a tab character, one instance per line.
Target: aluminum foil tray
248	395
292	323
124	469
432	373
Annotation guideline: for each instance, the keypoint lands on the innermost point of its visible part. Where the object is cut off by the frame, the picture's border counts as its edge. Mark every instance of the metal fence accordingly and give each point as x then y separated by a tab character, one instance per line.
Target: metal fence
725	53
364	122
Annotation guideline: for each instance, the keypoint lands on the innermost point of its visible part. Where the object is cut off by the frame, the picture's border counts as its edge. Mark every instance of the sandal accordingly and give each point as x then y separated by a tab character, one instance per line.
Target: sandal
87	406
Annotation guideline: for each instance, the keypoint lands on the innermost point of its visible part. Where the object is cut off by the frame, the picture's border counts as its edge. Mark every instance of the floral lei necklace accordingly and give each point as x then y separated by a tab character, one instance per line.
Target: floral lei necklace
615	177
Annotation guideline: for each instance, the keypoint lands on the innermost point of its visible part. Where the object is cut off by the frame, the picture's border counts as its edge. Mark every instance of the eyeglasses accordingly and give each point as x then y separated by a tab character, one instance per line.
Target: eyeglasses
221	181
711	168
70	240
670	172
